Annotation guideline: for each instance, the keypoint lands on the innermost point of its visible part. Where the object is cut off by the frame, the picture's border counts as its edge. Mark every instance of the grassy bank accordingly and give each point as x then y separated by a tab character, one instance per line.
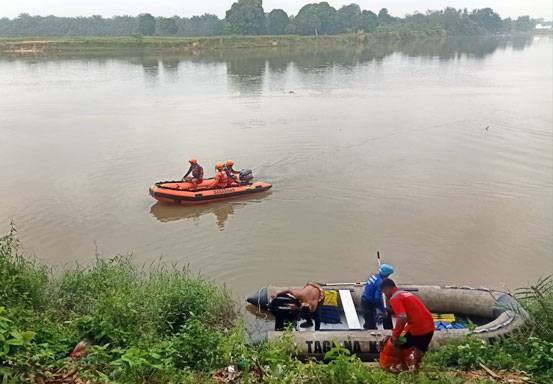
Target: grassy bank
183	44
166	325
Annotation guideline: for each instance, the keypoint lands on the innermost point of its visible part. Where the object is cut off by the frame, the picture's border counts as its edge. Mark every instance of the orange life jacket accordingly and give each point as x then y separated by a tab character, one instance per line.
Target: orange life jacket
221	180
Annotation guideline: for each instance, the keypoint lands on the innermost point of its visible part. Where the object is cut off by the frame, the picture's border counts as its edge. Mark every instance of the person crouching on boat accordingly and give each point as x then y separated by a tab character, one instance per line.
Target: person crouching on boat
197	173
221	179
412	317
231	173
372	302
310	298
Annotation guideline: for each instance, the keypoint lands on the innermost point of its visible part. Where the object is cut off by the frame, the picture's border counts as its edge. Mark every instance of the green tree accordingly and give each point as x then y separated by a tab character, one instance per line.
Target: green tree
315	19
384	17
369	21
348	18
167	26
246	17
487	19
507	24
277	22
457	22
524	24
205	25
327	15
146	24
291	27
307	21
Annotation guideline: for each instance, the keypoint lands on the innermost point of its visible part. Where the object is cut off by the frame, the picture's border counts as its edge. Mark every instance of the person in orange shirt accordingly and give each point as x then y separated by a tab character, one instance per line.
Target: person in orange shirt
221	179
412	317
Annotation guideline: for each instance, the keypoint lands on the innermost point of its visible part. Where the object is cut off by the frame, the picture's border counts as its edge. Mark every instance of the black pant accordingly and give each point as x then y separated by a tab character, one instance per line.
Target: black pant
285	308
421	341
369	313
315	316
282	320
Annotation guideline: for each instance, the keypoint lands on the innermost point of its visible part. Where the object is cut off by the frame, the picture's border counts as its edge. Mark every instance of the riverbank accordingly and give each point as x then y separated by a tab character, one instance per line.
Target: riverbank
37	45
302	50
165	324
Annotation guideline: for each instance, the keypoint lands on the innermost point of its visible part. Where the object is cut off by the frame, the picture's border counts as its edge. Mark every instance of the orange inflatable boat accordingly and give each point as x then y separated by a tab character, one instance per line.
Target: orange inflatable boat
178	192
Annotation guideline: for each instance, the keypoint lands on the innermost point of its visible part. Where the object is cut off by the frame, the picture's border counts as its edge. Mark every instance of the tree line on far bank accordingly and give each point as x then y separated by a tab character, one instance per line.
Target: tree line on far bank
247	17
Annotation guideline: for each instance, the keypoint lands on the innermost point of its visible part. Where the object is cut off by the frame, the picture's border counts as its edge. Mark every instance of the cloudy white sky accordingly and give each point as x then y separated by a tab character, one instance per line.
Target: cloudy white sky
11	8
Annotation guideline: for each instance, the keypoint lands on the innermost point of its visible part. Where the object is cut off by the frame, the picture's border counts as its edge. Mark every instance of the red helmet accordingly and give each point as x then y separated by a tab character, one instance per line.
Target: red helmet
219	166
193	161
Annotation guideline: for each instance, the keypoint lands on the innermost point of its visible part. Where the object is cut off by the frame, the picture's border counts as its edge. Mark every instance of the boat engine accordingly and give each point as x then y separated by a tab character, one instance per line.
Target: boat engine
246	176
286	309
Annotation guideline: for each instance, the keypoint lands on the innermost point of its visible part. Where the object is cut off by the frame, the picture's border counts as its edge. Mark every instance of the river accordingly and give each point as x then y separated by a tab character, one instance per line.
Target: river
440	155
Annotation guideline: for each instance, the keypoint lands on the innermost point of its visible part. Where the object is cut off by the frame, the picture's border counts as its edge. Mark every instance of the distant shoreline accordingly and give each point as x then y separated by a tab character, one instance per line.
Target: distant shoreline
57	44
52	44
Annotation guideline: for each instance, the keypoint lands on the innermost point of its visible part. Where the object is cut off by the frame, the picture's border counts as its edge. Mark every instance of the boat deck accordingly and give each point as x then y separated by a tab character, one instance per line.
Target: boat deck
350	318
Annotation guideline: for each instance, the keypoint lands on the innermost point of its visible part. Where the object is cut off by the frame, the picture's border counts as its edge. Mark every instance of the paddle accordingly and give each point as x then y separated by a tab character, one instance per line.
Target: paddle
379	264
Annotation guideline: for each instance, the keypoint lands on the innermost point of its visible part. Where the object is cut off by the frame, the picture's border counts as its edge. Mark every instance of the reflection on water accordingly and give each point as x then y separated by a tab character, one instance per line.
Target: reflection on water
170	64
246	74
259	323
168	212
150	65
246	68
222	210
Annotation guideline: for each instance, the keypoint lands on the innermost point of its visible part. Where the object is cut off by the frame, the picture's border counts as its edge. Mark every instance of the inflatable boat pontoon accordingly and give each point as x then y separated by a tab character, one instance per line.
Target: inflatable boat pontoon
491	314
178	192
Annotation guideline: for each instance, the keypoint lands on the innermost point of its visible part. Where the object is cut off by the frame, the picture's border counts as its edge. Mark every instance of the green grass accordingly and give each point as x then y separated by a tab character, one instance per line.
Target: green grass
167	325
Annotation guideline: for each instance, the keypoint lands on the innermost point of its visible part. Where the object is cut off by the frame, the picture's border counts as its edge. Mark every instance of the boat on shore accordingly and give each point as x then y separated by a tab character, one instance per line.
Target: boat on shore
487	314
178	192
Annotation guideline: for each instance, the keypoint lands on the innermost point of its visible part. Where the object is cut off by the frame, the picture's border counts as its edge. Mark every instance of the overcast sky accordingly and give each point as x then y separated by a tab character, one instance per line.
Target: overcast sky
11	8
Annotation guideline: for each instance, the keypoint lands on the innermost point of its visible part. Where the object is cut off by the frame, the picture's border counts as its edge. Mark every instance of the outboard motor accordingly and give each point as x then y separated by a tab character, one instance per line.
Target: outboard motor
286	309
246	176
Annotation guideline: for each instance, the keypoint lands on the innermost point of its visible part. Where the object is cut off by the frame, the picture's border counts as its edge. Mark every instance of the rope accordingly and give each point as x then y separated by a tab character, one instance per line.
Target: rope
159	184
178	188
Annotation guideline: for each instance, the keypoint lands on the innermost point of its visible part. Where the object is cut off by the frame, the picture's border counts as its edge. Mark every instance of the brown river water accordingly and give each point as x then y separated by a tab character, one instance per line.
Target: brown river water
438	154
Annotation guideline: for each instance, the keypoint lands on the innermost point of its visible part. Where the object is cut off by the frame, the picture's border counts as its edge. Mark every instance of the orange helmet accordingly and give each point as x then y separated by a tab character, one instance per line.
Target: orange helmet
229	163
219	166
193	161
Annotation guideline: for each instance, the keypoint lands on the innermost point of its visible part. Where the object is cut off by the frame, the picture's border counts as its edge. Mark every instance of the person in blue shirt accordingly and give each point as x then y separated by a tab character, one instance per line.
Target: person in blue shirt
372	302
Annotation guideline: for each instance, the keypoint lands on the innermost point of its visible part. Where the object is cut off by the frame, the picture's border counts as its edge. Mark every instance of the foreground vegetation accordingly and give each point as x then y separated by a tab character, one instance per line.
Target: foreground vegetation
165	325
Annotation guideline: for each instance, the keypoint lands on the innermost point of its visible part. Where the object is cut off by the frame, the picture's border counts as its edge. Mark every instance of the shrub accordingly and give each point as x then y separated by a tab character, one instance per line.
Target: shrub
469	353
23	281
538	301
175	295
155	326
78	289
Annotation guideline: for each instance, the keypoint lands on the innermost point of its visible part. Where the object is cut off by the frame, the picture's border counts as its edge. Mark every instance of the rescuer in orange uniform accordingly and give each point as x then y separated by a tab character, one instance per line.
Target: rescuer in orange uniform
412	317
197	173
231	173
221	179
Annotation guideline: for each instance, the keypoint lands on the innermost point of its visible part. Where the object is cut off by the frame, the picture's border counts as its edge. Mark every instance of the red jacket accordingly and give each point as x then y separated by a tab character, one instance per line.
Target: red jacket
407	305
